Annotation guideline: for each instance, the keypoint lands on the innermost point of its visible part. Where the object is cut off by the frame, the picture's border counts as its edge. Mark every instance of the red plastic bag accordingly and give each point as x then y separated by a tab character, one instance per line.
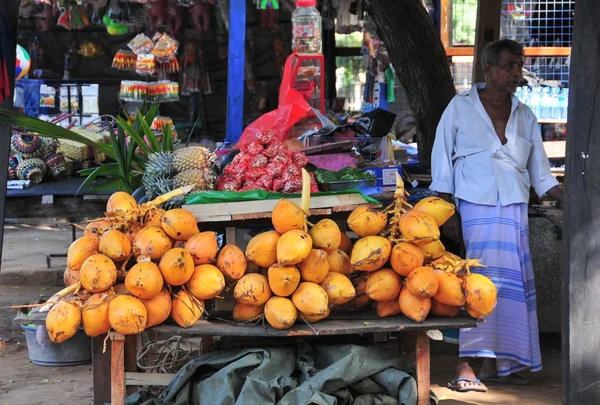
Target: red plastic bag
259	160
292	108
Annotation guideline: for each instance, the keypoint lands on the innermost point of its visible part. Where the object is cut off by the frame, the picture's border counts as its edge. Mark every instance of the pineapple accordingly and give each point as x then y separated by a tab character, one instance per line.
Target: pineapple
159	164
192	157
157	186
202	178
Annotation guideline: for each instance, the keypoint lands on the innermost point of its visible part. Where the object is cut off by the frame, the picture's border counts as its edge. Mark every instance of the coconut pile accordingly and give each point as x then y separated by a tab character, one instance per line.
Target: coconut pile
141	265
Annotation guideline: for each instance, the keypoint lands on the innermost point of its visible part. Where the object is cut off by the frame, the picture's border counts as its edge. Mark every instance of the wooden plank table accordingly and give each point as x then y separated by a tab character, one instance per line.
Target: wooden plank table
414	341
115	363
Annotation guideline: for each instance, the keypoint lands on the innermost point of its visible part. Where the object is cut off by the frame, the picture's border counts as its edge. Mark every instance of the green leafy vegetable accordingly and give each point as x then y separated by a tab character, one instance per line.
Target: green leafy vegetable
346	174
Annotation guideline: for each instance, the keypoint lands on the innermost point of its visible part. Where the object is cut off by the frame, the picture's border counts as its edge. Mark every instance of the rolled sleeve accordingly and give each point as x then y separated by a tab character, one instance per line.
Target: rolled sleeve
538	165
442	171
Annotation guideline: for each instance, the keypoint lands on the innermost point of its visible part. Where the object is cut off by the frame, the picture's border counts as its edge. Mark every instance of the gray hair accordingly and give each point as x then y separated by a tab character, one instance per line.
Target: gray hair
491	53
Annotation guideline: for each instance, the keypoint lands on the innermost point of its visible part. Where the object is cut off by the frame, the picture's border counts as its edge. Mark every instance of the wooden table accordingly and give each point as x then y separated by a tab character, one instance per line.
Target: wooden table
414	343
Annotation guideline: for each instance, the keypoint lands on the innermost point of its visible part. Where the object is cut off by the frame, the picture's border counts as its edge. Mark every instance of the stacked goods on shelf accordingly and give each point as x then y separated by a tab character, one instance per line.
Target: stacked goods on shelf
265	164
140	264
33	157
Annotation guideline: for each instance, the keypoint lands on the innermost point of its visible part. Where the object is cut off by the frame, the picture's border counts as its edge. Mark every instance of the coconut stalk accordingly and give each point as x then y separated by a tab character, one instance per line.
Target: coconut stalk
61	294
305	200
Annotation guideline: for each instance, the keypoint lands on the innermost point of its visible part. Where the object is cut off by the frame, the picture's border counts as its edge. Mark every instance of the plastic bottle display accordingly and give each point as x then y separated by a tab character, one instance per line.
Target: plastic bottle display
306	27
546	103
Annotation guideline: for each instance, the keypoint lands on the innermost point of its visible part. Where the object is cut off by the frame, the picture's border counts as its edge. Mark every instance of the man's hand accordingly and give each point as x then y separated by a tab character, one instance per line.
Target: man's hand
452	228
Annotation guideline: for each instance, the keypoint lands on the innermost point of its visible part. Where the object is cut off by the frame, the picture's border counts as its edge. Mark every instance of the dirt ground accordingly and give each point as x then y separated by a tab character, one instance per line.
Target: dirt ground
22	382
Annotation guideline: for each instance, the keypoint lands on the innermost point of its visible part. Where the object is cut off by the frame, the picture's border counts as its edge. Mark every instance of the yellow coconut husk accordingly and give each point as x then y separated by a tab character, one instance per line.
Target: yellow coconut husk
176	266
232	262
345	244
370	253
127	315
80	250
133	230
433	250
439	209
96	228
98	273
158	308
480	293
339	262
315	267
287	216
121	201
283	280
115	245
63	320
206	282
179	224
406	257
388	308
419	227
252	289
339	288
293	247
280	312
70	277
326	234
439	309
94	315
422	282
383	285
413	307
262	249
153	217
144	280
151	241
316	318
186	310
366	221
244	313
450	290
311	299
203	247
474	314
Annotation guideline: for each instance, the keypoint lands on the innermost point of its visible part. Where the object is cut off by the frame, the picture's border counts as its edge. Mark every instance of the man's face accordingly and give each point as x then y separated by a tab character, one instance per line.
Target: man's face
507	74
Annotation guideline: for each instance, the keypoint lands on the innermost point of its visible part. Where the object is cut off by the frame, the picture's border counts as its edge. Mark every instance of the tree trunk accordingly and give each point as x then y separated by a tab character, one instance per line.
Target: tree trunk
420	61
581	325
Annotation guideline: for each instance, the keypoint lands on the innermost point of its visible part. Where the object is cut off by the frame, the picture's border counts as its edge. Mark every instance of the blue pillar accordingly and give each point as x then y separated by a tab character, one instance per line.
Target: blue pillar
235	70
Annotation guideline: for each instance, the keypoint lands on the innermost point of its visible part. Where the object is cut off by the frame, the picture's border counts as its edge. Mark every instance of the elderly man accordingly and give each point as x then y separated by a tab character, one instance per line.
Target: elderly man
487	154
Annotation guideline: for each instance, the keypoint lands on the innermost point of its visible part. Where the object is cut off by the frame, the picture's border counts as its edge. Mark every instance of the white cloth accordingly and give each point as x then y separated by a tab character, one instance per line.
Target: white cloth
470	162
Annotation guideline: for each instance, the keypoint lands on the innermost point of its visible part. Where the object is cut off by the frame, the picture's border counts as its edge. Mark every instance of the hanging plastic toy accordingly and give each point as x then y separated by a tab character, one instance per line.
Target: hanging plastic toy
23	63
113	20
268	13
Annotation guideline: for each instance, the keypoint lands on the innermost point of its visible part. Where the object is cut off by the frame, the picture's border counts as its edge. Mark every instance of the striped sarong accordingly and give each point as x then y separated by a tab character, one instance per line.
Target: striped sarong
500	237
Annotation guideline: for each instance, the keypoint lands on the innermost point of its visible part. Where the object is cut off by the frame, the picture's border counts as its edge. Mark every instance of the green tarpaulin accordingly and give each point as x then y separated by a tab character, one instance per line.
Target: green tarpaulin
216	197
298	375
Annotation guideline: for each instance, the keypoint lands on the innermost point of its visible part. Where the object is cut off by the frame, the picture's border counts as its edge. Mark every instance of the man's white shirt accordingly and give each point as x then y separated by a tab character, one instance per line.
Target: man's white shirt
470	162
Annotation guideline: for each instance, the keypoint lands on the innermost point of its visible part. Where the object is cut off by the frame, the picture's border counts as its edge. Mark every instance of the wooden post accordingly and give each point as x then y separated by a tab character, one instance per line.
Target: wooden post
117	369
581	326
235	70
100	371
415	345
10	14
488	30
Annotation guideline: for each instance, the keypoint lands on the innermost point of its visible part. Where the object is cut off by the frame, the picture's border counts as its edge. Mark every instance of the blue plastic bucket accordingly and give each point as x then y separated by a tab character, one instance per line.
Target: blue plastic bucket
43	352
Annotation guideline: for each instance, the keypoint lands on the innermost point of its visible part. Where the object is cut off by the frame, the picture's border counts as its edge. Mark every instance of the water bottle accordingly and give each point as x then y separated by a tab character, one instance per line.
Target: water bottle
554	106
306	27
525	95
534	101
545	104
563	103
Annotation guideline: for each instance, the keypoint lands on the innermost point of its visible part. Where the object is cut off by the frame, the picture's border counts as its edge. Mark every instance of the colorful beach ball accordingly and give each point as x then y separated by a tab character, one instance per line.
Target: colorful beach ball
23	63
